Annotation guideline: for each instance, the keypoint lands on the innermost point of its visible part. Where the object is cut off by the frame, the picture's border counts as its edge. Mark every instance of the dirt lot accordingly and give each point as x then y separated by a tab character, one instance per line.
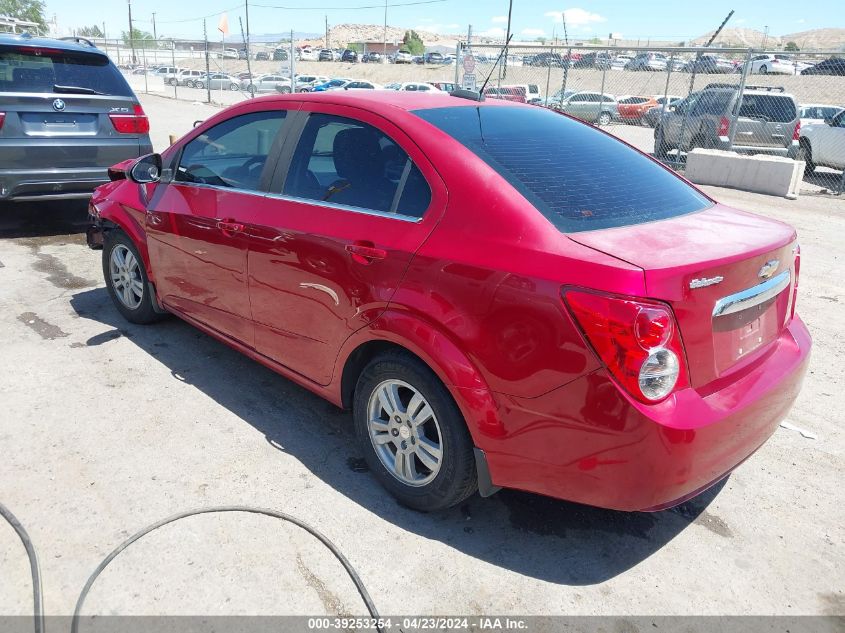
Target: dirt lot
107	427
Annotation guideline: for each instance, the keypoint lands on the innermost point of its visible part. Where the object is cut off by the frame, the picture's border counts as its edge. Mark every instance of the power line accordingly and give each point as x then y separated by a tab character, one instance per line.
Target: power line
335	8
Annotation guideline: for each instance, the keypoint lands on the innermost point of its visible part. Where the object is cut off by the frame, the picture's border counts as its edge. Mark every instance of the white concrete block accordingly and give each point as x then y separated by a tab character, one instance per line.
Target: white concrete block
773	175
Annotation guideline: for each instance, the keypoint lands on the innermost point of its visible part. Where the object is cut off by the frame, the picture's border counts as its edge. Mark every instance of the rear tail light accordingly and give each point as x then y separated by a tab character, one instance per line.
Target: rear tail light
136	123
796	133
637	339
797	251
2	119
724	126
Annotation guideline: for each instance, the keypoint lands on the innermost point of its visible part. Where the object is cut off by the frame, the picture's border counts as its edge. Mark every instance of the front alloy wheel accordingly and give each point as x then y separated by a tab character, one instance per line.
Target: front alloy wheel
126	279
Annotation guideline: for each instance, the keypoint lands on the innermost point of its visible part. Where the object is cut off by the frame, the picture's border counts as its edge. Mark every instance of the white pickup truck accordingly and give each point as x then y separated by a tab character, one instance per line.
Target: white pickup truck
823	145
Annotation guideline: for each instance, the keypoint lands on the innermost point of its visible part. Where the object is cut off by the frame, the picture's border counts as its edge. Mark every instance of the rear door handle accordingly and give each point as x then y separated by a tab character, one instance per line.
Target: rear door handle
365	253
227	226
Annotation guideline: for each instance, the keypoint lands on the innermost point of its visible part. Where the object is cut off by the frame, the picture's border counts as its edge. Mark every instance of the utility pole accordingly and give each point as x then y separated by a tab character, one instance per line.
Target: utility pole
246	11
131	39
207	64
765	36
327	31
155	35
507	39
384	48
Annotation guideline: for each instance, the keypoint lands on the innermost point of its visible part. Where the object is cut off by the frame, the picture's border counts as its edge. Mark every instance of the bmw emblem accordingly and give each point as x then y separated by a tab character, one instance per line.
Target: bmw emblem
58	105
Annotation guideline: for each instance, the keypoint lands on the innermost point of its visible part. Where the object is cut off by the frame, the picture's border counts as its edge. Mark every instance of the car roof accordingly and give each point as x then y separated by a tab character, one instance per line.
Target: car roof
25	39
386	101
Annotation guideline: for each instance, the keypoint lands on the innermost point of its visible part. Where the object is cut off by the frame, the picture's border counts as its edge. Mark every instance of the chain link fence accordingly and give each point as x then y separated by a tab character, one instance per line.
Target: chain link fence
664	101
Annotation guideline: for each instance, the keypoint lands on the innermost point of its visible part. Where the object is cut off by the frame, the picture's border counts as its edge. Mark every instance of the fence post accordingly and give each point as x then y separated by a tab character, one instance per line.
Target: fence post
457	62
735	113
548	80
144	57
565	71
176	76
207	65
603	78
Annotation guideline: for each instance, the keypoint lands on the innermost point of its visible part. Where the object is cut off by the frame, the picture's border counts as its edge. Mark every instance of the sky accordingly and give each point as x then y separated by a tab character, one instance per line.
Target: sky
655	19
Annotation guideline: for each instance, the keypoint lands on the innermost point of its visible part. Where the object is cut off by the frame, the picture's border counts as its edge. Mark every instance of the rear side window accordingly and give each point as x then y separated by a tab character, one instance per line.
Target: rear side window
232	153
769	107
347	162
30	69
579	178
712	102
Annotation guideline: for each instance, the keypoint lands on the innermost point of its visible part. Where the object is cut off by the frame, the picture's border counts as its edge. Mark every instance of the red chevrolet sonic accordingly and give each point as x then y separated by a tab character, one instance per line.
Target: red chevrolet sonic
502	295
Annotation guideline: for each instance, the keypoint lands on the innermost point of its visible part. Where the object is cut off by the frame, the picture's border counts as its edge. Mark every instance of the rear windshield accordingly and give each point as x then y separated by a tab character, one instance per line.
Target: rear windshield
29	69
580	179
768	107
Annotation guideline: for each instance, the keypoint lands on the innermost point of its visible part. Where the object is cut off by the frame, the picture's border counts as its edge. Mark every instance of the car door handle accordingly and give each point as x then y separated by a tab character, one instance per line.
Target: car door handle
228	226
365	253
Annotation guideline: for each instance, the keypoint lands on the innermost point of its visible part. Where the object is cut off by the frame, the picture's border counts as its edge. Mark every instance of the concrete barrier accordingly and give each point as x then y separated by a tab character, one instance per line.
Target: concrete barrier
773	175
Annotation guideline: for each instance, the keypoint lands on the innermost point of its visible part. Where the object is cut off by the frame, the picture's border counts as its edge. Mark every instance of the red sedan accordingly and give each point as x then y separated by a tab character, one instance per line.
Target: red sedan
493	313
633	109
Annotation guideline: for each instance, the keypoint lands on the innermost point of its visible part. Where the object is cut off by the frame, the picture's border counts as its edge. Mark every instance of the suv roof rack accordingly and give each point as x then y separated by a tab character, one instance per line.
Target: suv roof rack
462	93
747	87
78	40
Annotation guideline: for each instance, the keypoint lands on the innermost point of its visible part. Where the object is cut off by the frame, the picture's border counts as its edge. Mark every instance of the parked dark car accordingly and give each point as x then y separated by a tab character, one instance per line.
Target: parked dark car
280	55
66	115
371	58
433	58
242	53
832	66
349	56
325	55
599	61
710	65
555	60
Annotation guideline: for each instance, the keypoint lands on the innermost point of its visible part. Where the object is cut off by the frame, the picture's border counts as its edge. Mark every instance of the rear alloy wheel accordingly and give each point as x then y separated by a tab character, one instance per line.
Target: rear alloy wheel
234	87
412	433
126	279
604	119
763	70
285	90
198	84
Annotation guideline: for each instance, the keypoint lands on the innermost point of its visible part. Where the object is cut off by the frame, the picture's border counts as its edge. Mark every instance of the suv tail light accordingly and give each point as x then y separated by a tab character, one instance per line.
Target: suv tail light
724	126
136	123
796	133
637	339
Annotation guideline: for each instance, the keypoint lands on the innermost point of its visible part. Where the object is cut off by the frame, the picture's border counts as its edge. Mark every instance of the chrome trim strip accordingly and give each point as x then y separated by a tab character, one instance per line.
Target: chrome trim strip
753	296
200	185
344	207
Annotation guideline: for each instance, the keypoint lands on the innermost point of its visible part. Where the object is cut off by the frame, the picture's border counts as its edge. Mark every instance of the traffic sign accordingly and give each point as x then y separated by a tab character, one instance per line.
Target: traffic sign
468	82
469	63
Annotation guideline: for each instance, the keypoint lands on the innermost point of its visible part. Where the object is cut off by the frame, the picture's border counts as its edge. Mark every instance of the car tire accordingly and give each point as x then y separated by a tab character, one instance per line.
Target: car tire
764	70
234	87
251	89
604	119
285	90
400	379
126	279
199	85
661	147
189	84
805	153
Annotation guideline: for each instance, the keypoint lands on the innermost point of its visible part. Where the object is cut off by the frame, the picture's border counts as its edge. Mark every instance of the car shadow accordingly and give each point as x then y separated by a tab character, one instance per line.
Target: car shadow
39	219
544	538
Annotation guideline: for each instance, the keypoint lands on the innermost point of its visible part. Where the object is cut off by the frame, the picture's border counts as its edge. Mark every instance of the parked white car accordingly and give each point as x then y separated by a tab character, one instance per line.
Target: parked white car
309	55
620	61
357	84
532	92
823	145
412	86
772	64
304	83
167	73
187	77
817	113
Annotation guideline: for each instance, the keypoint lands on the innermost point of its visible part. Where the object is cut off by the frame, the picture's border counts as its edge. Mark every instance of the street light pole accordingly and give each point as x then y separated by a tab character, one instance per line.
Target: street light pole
155	35
131	39
384	47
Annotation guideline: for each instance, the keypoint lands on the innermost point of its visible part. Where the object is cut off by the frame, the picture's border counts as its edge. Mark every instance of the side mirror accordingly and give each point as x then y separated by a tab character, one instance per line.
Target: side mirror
146	169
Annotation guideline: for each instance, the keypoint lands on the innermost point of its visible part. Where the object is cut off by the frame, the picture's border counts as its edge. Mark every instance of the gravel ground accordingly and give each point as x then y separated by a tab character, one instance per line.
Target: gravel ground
107	427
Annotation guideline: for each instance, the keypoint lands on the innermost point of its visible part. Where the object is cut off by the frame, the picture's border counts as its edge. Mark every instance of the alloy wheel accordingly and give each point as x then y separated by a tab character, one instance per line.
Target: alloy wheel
126	277
404	432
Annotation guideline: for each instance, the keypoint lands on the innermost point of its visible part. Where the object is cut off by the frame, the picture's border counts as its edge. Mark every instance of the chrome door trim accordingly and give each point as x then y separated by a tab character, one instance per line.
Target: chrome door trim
753	296
344	207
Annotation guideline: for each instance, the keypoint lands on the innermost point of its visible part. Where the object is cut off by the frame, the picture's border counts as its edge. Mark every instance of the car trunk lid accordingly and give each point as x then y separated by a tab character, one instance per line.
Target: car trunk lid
727	274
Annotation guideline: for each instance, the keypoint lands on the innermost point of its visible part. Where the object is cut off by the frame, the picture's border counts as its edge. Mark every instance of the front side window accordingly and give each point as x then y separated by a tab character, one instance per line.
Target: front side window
232	154
347	162
609	185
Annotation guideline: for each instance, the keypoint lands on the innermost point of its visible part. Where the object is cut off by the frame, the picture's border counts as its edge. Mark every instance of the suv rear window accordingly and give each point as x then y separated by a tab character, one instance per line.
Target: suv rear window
579	178
770	107
31	69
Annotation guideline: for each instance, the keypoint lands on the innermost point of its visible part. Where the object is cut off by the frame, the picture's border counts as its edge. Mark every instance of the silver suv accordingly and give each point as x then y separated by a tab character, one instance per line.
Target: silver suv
765	121
66	116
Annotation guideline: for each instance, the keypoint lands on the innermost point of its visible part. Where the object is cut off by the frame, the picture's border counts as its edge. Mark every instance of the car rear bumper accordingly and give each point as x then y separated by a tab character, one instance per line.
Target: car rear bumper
790	152
589	442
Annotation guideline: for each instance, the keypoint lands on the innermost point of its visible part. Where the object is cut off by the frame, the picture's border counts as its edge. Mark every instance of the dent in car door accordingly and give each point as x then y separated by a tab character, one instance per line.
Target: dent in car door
196	237
328	258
